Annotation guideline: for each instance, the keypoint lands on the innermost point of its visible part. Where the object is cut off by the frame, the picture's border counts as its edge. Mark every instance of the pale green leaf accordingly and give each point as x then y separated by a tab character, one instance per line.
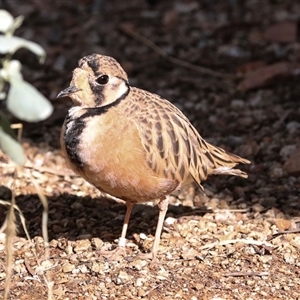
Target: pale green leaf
6	21
17	23
12	69
10	44
2	95
12	148
26	103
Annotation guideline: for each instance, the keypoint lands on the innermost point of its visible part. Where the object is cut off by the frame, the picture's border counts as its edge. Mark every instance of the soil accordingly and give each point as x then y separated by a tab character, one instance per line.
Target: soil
233	68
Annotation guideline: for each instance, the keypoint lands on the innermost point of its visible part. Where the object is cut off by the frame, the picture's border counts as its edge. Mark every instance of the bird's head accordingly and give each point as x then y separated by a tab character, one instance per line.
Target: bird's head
98	80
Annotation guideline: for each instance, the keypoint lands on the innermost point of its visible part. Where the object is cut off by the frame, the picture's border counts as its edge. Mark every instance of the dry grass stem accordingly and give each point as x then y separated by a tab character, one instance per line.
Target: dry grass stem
10	234
176	61
238	274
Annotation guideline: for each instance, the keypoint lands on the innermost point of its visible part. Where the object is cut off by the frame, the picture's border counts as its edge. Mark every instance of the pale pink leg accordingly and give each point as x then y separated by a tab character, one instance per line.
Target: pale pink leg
122	239
163	207
120	250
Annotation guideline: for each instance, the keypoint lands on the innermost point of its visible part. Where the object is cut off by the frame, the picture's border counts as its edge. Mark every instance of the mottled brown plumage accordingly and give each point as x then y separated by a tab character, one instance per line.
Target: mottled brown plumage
133	144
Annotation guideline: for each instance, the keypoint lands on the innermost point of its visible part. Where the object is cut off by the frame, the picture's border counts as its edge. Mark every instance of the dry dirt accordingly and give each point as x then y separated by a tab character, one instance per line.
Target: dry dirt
240	240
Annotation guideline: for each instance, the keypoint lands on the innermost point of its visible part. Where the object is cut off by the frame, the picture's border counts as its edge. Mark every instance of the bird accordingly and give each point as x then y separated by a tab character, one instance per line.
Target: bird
133	144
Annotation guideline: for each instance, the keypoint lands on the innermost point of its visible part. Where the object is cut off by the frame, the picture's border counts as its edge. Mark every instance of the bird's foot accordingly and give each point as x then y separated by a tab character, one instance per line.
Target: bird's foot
144	256
115	254
148	256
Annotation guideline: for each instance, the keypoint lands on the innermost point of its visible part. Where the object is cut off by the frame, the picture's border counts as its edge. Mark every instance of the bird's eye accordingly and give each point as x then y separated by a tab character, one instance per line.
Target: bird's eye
102	79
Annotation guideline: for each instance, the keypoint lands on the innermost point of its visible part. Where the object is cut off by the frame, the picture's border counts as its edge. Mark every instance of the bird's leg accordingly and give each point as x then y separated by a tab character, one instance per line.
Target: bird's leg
122	239
120	250
163	207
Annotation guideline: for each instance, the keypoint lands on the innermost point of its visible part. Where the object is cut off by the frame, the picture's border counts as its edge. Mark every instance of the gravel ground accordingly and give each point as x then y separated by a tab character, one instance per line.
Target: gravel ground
238	241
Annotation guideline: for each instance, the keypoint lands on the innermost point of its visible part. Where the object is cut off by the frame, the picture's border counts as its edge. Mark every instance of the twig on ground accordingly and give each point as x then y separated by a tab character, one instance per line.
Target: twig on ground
176	61
281	233
245	241
242	274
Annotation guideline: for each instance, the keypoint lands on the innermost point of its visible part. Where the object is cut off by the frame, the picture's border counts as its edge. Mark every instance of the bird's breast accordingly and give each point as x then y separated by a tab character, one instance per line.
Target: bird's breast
107	151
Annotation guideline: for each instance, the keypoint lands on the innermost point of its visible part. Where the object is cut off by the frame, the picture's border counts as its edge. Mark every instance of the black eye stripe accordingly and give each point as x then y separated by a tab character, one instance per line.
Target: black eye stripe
97	90
103	79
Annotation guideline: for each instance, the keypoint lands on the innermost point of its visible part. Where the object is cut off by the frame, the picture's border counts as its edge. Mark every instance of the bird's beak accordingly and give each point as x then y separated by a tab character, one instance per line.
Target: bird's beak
69	90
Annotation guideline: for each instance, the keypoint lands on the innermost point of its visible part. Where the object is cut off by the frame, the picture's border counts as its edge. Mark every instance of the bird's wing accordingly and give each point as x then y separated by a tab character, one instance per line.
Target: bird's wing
174	148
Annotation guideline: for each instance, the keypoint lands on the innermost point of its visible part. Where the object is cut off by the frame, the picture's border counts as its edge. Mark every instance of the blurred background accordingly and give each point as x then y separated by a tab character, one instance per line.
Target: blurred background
231	66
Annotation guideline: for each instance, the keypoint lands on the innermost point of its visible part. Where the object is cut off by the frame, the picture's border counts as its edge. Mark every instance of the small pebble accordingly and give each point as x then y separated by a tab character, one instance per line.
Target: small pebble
67	267
213	203
287	150
95	267
69	249
143	236
258	207
141	292
138	264
139	282
170	221
83	269
82	245
122	278
97	243
237	104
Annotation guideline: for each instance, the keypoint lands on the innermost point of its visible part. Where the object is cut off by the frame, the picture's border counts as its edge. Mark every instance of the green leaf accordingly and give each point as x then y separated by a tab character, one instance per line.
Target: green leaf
26	103
10	44
6	21
11	69
23	100
12	148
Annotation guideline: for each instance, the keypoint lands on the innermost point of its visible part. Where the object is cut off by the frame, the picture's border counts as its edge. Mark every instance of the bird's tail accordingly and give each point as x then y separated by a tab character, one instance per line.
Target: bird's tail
225	162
